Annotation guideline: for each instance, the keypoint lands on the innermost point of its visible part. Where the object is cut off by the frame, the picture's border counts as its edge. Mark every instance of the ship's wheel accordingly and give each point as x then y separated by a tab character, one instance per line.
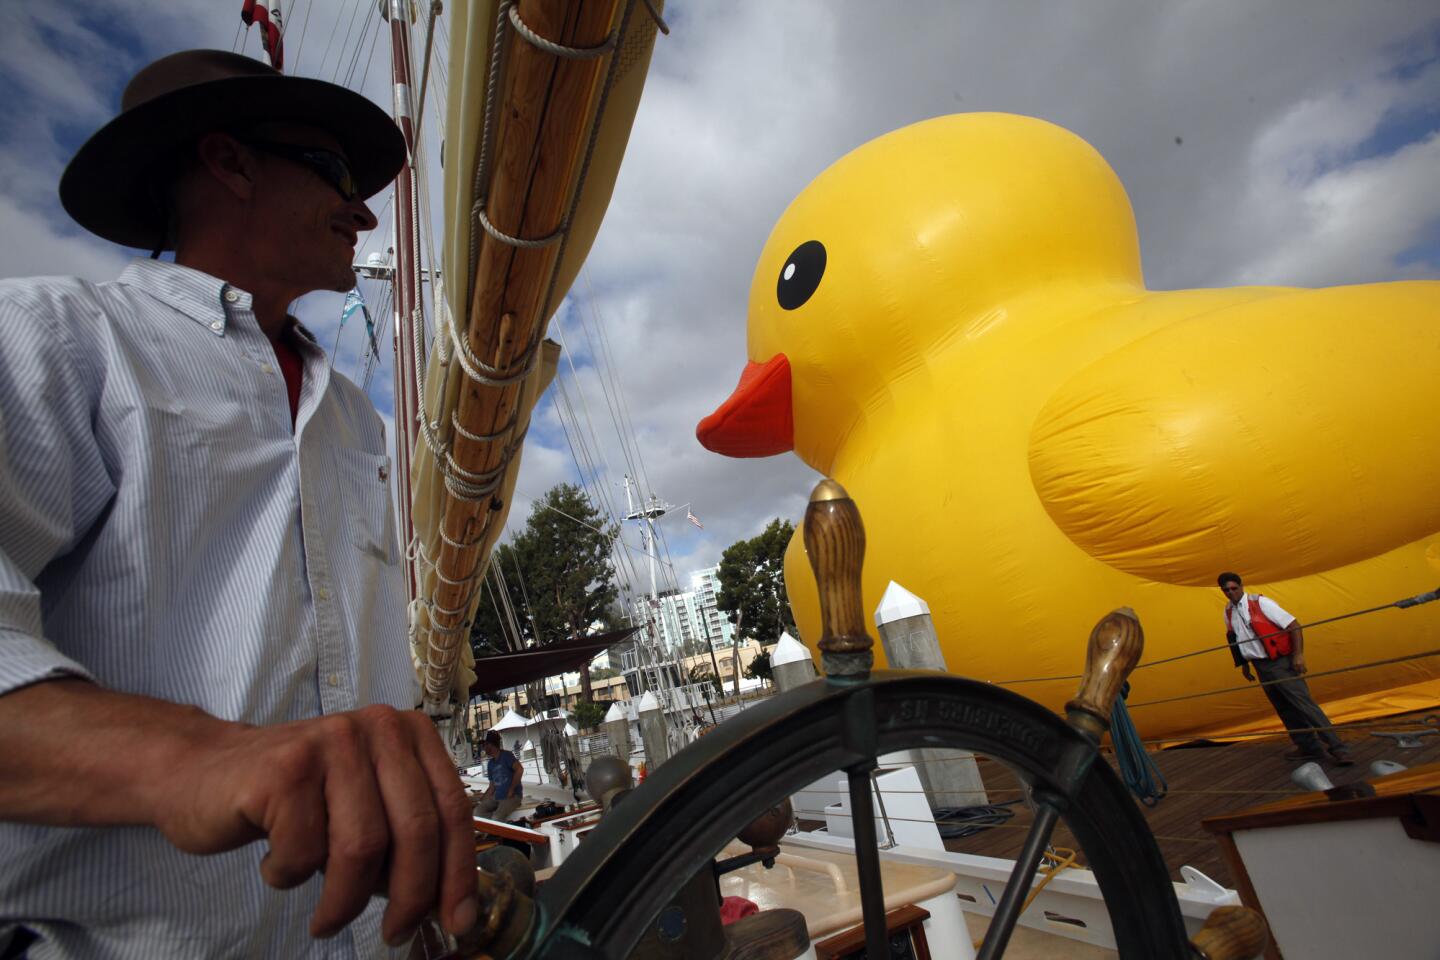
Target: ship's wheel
610	892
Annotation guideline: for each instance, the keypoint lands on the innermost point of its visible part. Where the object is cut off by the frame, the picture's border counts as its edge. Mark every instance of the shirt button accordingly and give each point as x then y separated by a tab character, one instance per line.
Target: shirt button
217	326
323	594
231	296
266	368
334	680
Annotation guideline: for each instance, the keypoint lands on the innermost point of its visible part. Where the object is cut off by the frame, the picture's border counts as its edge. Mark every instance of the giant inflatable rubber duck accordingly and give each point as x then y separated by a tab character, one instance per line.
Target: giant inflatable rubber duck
952	321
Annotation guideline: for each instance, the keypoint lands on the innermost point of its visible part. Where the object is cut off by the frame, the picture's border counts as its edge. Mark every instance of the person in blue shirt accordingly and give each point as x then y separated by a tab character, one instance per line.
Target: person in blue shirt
505	774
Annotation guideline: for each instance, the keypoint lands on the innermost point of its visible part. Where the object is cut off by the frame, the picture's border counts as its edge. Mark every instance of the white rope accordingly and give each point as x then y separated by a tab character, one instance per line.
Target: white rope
482	372
478	212
449	611
559	50
487	132
485	437
458	544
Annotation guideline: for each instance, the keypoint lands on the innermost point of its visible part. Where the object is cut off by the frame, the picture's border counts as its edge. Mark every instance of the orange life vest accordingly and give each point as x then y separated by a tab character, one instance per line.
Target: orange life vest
1274	638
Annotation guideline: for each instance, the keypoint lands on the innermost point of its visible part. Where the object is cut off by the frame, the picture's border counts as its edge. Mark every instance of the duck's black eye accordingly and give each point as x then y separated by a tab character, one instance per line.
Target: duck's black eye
801	274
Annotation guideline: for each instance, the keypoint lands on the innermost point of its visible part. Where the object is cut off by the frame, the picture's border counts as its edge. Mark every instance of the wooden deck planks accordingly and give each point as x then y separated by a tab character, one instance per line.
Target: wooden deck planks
1205	782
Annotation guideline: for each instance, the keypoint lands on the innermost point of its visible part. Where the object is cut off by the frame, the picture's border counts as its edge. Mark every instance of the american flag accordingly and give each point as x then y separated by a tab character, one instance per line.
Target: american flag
272	28
693	519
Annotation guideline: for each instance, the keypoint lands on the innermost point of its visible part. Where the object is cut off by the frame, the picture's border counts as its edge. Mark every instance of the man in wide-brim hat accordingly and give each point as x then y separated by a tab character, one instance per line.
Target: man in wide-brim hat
202	626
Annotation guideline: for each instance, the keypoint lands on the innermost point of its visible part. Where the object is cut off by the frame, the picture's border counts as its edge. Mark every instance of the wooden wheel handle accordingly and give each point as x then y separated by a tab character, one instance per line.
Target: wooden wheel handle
1115	647
1232	933
835	542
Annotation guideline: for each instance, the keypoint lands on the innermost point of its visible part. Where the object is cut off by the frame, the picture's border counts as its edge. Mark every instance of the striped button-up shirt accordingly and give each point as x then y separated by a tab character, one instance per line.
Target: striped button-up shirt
164	532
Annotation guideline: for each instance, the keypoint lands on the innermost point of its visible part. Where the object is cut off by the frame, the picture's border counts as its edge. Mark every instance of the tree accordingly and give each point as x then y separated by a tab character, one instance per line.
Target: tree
556	577
588	715
759	668
752	586
700	673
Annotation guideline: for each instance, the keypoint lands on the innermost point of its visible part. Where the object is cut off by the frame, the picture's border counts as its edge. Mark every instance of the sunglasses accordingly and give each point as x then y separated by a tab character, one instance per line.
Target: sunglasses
1233	588
327	164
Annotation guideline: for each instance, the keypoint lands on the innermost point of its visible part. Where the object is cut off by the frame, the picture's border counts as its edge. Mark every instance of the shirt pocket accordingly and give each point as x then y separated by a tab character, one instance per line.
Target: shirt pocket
365	494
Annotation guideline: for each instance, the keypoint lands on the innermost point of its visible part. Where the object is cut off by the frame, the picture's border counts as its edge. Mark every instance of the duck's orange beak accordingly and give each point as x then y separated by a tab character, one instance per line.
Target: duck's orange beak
757	420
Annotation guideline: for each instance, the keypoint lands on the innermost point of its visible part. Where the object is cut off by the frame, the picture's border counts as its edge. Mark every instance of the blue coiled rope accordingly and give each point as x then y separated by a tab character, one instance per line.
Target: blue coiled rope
1136	768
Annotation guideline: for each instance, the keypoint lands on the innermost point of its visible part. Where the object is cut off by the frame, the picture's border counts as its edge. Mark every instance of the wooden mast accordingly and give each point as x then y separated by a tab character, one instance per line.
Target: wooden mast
545	110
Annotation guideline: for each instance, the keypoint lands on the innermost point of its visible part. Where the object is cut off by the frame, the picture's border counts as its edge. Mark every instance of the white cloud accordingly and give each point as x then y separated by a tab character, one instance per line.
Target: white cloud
32	245
1348	225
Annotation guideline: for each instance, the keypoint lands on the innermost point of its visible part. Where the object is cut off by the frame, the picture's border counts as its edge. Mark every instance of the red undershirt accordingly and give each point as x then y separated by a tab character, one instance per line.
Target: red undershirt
293	369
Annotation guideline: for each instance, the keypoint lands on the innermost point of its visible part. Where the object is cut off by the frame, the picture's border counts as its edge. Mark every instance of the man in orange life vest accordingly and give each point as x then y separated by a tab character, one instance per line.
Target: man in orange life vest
1263	634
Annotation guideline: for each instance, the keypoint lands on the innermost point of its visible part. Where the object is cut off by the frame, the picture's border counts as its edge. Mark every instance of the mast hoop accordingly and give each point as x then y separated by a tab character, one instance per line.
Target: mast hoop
469	578
448	631
502	237
487	375
485	437
463	490
559	50
459	544
447	611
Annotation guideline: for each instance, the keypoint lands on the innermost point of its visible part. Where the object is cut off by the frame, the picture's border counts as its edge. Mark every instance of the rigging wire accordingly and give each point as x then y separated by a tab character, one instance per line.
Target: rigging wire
626	422
586	441
425	68
603	359
360	48
502	587
370	58
1406	603
442	56
345	44
295	57
602	371
1308	675
509	630
620	561
331	43
525	598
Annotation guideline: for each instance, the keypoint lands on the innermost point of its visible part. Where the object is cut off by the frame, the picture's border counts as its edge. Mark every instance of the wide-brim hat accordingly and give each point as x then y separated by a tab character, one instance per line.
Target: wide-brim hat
110	186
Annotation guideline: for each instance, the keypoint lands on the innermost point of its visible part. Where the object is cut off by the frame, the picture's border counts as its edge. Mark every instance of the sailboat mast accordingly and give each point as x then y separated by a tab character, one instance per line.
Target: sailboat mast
407	274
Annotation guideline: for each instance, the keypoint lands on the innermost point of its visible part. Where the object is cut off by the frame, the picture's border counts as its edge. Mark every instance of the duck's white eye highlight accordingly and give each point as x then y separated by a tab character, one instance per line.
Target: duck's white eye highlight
789	271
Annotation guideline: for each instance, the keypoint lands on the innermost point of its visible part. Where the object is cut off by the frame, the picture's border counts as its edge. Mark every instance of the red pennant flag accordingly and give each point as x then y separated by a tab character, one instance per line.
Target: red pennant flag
272	28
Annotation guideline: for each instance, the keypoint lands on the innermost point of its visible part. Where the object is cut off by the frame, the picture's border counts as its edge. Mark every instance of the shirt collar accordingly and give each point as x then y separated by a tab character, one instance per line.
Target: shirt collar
197	295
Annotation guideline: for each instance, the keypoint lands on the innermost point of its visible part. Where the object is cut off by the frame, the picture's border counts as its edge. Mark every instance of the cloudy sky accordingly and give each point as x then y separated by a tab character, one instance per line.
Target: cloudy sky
1278	143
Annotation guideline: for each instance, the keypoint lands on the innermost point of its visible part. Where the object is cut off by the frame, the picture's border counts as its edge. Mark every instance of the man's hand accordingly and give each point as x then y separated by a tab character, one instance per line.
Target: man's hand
1245	669
1298	662
370	798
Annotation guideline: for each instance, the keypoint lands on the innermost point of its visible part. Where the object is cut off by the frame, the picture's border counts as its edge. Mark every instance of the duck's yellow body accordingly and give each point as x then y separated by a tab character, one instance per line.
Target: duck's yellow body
1033	438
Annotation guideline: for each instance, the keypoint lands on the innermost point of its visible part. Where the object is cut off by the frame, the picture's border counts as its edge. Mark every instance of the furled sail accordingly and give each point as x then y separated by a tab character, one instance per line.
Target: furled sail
542	97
